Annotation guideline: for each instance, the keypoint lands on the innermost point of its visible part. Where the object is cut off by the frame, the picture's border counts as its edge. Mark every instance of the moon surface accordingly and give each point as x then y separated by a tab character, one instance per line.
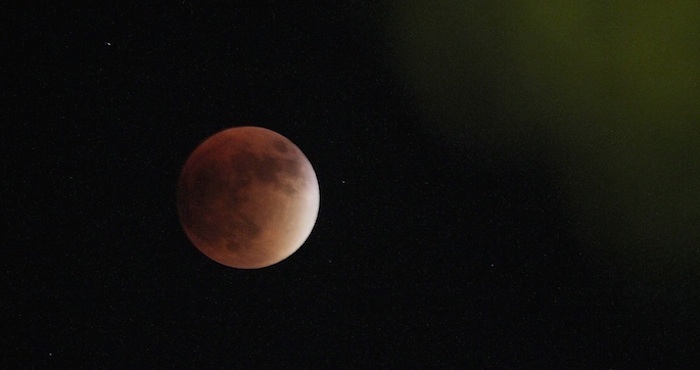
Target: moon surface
247	197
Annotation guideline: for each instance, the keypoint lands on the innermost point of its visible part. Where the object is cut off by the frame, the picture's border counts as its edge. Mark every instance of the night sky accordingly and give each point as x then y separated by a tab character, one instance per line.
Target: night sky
428	251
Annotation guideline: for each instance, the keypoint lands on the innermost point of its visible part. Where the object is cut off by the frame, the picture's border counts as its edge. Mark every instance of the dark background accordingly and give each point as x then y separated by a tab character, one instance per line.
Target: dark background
424	253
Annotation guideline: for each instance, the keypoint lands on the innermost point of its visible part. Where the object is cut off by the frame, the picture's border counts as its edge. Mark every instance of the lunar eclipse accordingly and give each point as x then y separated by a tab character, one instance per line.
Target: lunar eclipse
247	197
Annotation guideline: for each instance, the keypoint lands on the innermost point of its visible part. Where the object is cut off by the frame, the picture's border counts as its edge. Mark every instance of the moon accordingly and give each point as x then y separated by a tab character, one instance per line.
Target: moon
247	197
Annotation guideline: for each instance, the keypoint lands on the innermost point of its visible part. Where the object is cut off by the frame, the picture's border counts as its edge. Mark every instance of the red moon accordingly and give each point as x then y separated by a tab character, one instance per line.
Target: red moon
247	197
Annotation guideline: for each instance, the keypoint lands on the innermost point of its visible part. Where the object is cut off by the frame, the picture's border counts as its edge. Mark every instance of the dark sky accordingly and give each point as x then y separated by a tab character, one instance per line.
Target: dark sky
424	254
